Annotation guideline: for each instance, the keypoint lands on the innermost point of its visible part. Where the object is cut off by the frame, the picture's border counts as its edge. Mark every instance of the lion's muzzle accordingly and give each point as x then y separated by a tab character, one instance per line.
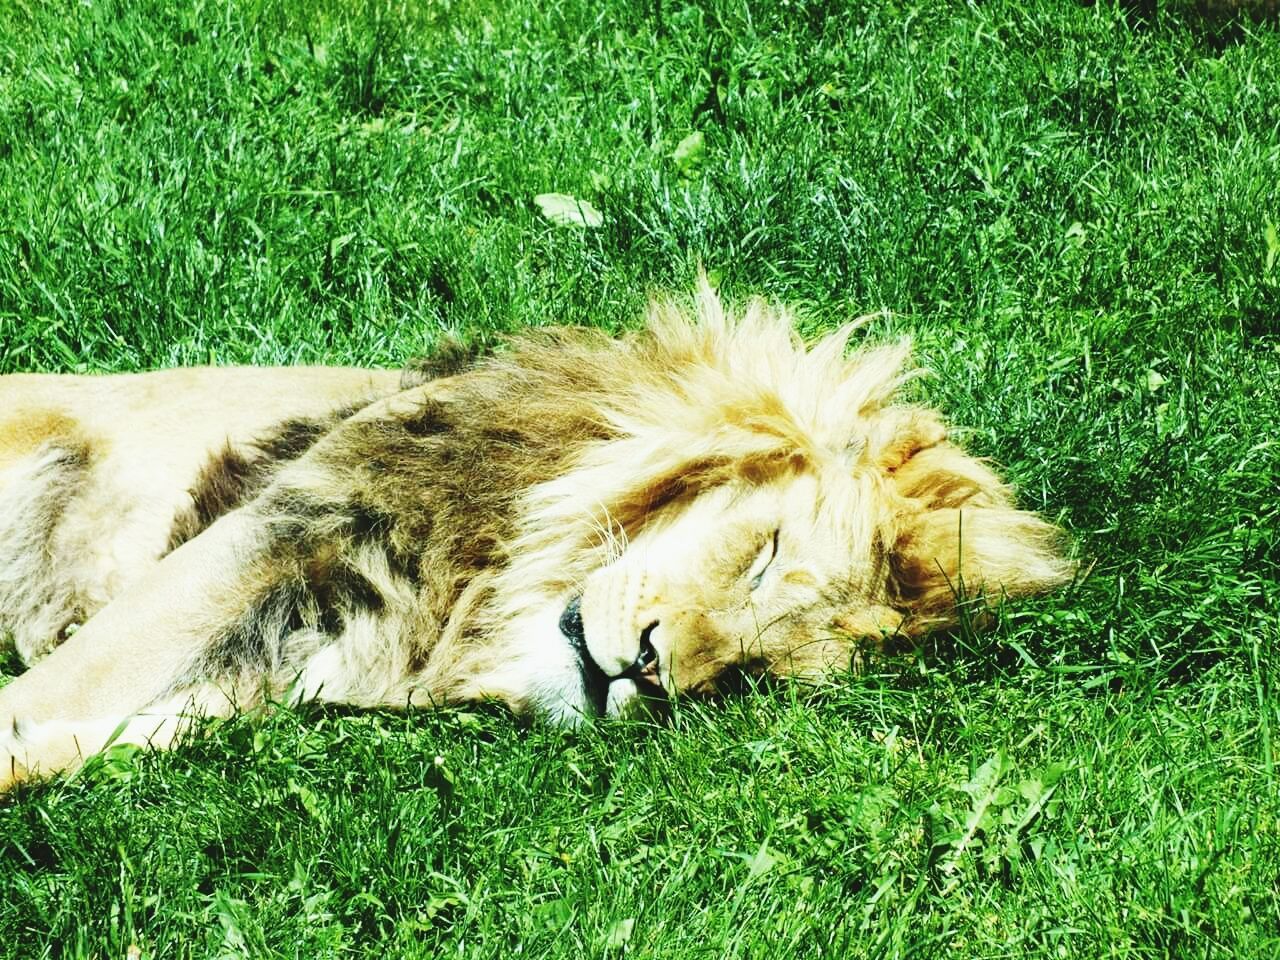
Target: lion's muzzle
640	677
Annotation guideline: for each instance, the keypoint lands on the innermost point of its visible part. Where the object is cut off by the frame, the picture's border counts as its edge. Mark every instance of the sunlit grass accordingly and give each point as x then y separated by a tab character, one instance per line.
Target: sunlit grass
1074	214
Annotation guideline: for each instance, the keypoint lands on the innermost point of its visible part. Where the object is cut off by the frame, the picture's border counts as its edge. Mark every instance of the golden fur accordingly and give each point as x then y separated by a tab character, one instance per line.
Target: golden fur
580	525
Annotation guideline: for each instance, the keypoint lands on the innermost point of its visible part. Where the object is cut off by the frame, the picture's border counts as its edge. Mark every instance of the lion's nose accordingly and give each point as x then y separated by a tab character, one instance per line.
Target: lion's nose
571	622
647	657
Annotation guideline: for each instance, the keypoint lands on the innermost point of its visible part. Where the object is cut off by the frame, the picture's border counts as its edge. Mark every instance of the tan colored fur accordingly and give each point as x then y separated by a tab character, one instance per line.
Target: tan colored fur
714	496
96	468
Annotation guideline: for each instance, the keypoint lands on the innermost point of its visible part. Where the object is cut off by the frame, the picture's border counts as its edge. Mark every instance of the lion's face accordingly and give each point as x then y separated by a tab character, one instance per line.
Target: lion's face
745	578
783	575
795	575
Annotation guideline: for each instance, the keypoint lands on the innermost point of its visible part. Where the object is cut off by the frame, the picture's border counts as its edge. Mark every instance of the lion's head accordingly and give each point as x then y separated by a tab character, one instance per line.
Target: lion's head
743	504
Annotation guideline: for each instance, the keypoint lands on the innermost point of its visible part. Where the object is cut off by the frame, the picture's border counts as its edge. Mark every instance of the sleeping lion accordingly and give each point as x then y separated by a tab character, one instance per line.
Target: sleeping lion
576	527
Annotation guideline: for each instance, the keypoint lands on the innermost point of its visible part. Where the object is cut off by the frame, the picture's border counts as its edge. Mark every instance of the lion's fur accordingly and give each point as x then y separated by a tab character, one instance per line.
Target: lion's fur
97	474
421	548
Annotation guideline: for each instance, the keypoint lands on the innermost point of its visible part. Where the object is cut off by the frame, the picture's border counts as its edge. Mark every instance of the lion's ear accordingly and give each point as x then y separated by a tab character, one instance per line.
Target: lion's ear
957	534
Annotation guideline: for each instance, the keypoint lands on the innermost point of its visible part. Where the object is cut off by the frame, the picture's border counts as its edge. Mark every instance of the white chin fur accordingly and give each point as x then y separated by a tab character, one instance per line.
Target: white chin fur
547	668
623	698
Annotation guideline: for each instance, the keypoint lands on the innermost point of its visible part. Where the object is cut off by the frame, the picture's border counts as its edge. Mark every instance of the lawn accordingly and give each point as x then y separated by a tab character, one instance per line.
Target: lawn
1072	209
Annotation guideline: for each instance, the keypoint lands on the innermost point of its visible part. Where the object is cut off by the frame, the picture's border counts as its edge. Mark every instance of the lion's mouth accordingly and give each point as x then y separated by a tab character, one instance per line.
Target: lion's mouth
595	682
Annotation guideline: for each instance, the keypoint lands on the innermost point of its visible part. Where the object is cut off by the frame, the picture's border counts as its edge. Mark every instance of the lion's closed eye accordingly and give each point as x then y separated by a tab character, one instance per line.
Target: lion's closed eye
763	560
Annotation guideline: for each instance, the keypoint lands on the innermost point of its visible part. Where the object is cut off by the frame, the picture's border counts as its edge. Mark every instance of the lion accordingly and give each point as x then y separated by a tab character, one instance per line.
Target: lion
575	526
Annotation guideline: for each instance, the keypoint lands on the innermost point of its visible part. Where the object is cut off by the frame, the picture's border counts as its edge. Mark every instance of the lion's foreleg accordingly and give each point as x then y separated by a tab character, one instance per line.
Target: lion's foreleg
36	749
126	675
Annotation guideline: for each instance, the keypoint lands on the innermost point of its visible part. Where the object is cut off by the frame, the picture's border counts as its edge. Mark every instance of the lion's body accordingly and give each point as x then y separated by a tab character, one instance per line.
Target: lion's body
564	528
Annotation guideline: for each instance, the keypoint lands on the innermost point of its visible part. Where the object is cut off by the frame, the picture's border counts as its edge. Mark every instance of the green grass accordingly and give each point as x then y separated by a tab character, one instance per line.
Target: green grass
1075	213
